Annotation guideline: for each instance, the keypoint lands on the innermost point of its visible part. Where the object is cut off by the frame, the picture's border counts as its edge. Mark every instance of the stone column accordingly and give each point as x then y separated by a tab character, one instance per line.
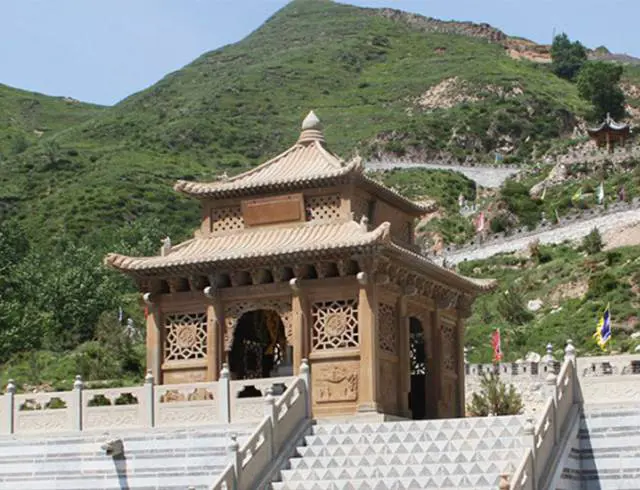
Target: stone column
435	370
299	325
215	319
154	338
368	331
460	409
404	364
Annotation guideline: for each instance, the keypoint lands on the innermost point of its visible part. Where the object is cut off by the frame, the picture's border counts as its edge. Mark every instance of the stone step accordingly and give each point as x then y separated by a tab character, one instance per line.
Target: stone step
411	437
114	482
311	462
604	442
409	448
420	425
106	465
387	472
476	482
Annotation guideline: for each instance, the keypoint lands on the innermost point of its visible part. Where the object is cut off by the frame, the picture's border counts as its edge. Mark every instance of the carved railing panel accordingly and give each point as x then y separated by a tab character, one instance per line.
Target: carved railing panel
114	408
247	396
44	412
186	404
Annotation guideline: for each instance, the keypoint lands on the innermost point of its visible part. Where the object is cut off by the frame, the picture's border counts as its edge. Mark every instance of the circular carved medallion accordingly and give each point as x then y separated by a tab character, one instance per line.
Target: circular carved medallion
335	324
186	336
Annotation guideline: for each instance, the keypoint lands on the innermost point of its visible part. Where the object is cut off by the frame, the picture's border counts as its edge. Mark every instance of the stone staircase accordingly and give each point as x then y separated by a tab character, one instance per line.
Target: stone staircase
434	454
152	459
606	453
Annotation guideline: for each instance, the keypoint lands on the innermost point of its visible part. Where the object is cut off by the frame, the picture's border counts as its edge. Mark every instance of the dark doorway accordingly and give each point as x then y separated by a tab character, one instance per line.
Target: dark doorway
418	364
259	345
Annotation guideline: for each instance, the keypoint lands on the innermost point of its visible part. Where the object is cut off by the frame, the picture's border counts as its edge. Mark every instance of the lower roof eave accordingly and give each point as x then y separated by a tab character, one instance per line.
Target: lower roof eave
244	263
422	264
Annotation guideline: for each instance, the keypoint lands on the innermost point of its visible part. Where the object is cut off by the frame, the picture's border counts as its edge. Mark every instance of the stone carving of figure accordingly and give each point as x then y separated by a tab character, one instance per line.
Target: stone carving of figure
166	246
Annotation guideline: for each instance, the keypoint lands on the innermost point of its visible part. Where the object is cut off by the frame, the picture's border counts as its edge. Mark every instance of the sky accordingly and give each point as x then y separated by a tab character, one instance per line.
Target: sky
104	50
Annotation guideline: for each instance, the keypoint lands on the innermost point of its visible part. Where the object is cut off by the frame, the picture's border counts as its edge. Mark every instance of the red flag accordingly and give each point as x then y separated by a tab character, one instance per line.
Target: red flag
497	347
480	222
146	311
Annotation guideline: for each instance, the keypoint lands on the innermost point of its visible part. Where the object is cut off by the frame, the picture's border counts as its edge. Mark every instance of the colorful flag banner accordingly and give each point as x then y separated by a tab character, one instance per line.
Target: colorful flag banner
601	193
497	346
603	330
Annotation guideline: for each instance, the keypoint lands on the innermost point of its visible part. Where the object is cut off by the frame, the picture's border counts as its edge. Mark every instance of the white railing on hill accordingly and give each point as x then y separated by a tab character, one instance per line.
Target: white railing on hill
147	406
546	435
282	417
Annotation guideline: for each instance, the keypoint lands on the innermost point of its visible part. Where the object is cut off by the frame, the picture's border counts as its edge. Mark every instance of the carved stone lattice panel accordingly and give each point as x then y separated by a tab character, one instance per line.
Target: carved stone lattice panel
335	324
226	219
233	312
449	349
323	208
387	332
186	336
335	383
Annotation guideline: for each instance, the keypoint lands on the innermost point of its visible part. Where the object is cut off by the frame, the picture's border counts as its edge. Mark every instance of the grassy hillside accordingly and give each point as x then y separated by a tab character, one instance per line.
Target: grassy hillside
574	289
25	117
238	105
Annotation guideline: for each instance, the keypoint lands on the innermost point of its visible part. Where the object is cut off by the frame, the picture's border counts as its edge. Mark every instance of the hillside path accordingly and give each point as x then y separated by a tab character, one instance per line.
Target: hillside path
491	177
571	232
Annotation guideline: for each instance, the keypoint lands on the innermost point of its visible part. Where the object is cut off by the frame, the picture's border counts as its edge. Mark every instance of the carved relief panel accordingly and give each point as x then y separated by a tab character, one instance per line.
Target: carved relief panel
335	382
335	324
387	331
185	336
449	345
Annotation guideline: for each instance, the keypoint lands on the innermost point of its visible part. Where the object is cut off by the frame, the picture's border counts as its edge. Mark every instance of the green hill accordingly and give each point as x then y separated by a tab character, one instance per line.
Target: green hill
361	71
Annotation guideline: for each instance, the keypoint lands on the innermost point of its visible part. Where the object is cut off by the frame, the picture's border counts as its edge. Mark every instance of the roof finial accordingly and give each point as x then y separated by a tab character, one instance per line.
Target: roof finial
311	122
311	129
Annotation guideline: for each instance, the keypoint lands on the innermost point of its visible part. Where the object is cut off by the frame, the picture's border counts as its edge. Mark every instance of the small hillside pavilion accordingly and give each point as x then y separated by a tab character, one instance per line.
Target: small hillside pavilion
610	133
305	256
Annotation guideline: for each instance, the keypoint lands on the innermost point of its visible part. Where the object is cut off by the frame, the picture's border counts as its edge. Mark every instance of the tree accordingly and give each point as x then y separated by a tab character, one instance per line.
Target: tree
495	398
512	307
598	83
567	58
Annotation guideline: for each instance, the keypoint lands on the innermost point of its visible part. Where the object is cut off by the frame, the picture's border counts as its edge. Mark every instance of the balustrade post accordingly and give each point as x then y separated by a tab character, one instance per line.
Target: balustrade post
236	460
270	411
305	374
529	432
78	386
224	394
552	381
9	401
570	355
150	398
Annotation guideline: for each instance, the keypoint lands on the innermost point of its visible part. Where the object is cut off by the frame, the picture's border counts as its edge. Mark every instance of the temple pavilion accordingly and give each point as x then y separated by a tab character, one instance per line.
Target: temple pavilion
305	256
610	133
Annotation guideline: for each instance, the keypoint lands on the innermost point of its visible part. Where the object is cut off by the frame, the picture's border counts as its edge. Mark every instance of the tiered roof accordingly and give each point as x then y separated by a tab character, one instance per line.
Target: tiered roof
609	125
307	164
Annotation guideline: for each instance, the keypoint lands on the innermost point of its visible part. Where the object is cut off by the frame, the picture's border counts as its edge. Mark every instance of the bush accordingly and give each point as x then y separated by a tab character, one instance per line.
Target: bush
592	243
495	398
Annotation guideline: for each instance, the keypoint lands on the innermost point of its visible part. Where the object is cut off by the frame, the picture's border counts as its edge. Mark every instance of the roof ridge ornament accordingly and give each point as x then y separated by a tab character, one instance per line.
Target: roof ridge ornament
311	129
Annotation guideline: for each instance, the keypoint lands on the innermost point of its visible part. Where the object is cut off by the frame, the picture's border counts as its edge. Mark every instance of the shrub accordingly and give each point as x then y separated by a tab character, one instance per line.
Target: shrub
512	307
495	398
592	243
